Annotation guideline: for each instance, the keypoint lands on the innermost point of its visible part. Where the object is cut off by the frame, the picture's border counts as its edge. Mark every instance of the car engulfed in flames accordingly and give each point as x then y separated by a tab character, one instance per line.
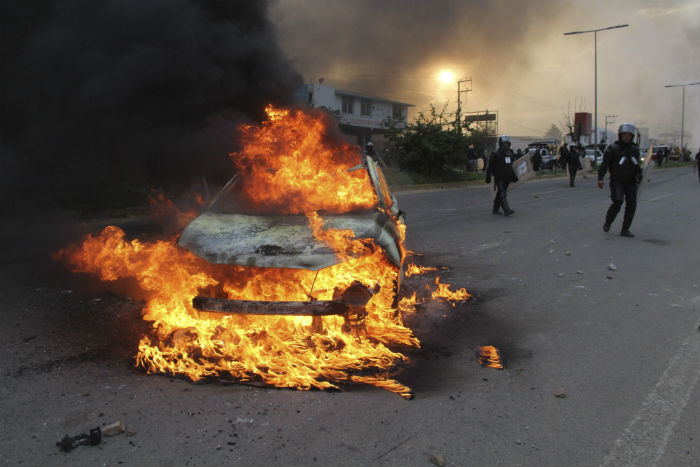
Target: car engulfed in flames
290	277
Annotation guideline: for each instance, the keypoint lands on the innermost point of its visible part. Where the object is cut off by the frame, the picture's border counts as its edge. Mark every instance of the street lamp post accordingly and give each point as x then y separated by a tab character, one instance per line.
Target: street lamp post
595	91
682	108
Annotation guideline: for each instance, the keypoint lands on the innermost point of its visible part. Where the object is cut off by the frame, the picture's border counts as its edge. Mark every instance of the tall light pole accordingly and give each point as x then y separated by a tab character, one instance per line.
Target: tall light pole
595	91
682	108
459	101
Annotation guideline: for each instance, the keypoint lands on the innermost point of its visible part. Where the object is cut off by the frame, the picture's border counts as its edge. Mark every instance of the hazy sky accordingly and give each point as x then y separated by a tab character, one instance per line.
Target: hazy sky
520	62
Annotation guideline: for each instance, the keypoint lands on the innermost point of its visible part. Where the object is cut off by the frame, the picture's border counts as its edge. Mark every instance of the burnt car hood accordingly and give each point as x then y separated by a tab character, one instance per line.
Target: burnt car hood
281	241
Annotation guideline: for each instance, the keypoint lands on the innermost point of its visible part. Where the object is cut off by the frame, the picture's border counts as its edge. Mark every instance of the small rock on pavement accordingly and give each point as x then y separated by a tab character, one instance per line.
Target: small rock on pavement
560	393
567	253
609	276
438	460
579	272
561	274
612	267
114	429
518	442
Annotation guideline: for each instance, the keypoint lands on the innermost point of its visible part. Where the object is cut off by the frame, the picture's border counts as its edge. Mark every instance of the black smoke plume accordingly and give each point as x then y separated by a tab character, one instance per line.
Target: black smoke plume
145	93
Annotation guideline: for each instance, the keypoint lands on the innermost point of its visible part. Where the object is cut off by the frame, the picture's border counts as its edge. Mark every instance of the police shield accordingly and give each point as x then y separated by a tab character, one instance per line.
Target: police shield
523	170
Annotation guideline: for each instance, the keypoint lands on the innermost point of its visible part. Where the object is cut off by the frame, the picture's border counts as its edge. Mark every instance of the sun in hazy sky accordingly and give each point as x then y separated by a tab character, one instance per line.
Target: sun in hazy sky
446	76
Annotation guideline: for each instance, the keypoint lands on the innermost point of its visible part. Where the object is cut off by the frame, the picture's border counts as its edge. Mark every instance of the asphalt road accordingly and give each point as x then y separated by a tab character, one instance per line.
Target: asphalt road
602	366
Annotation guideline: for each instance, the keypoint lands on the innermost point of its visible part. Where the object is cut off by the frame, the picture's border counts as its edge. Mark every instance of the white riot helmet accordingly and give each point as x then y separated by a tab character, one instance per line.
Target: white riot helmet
504	139
369	144
627	128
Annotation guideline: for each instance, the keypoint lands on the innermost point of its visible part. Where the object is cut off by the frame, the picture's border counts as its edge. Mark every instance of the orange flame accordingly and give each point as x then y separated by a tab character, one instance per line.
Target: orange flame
443	291
280	351
301	170
490	357
415	270
408	304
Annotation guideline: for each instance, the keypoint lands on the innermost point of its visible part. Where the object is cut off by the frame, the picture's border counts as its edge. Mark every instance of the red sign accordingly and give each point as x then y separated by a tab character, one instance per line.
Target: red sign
582	123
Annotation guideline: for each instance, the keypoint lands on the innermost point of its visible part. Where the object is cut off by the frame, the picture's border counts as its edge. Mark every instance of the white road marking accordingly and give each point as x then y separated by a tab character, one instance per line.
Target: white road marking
643	443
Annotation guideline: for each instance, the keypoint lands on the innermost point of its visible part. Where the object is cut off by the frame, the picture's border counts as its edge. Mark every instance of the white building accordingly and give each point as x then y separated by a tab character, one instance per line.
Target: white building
359	116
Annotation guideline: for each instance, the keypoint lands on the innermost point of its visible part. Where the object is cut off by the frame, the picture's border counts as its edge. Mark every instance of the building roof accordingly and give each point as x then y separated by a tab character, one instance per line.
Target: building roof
377	99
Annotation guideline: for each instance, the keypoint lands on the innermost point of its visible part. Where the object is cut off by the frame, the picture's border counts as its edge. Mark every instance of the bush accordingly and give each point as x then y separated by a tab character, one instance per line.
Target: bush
431	147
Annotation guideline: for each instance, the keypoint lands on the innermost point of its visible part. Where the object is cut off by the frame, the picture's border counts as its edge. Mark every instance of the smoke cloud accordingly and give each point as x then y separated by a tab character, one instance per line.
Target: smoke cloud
521	62
395	48
146	92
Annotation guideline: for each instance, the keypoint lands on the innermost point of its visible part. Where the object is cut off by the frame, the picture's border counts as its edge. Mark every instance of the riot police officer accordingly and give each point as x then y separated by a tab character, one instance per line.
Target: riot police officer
623	161
574	163
500	167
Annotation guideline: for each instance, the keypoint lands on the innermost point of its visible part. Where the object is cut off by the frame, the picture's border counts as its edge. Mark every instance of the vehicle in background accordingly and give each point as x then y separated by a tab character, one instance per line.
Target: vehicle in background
660	153
590	153
549	160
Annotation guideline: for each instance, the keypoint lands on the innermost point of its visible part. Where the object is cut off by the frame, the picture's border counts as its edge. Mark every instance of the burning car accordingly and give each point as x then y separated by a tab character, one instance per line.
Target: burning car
232	232
289	278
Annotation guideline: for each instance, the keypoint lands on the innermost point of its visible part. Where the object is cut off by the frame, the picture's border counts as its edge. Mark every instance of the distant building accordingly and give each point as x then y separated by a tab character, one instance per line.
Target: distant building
359	116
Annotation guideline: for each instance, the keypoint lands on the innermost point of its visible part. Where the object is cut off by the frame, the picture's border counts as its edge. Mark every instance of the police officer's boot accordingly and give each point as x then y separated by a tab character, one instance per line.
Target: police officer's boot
627	221
626	228
506	208
496	207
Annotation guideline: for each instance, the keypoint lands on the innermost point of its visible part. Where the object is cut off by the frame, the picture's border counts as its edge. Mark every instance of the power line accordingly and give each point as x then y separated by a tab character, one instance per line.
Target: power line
523	126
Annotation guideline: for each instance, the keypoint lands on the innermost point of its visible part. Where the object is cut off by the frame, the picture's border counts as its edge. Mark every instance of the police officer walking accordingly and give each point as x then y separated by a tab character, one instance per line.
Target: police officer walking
563	154
536	160
574	162
500	167
623	161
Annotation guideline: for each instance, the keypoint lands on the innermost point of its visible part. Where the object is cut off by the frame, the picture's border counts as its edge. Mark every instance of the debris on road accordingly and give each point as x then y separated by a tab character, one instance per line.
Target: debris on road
579	272
609	276
560	393
612	267
114	429
561	274
567	253
438	460
71	442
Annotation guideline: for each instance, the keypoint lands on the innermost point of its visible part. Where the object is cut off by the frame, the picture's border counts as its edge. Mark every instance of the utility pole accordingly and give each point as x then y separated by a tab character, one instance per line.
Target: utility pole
609	119
459	100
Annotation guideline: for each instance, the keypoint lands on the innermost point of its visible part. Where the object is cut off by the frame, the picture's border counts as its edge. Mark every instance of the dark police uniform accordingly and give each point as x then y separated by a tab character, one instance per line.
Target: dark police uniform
574	163
624	164
500	167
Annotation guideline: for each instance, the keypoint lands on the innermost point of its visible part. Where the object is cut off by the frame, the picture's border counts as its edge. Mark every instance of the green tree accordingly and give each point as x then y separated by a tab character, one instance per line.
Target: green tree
430	146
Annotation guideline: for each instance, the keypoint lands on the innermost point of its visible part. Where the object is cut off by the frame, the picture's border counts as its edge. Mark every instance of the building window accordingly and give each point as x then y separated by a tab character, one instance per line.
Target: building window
347	105
366	107
398	112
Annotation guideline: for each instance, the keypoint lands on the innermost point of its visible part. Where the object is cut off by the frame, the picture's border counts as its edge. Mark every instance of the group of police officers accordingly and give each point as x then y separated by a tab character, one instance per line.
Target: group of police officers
621	159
